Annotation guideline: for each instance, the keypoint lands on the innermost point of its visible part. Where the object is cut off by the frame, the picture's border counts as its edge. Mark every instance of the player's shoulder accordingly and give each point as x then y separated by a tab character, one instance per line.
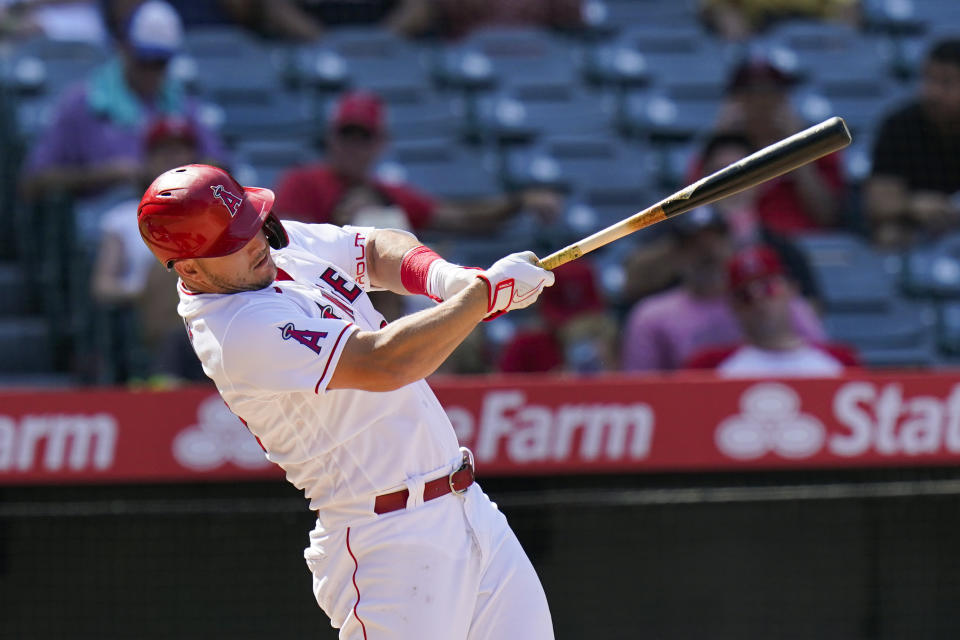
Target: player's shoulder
314	237
304	233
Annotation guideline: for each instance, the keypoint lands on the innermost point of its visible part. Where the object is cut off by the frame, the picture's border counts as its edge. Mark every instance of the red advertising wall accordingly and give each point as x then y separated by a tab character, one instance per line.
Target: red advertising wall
514	425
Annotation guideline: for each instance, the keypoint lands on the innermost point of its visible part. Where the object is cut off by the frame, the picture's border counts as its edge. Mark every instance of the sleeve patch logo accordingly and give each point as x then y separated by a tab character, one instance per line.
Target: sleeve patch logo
230	200
309	339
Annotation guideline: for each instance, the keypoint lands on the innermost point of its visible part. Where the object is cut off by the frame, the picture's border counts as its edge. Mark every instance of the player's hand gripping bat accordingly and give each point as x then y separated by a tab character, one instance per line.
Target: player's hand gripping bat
769	162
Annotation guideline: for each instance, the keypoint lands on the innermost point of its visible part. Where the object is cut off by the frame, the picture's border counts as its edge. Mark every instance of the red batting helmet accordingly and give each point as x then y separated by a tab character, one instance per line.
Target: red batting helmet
200	211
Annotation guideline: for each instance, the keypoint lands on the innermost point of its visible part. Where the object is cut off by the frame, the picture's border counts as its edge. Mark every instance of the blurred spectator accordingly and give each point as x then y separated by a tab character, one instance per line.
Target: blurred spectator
574	332
914	190
663	330
653	266
343	190
456	18
740	20
72	20
760	297
95	140
758	105
140	331
283	19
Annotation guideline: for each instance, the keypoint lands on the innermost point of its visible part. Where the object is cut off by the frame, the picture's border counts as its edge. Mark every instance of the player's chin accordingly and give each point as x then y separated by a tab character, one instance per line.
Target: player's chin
263	276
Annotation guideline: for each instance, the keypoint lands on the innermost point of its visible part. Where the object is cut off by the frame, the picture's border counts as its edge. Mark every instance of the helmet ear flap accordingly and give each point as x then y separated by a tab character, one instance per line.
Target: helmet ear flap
276	234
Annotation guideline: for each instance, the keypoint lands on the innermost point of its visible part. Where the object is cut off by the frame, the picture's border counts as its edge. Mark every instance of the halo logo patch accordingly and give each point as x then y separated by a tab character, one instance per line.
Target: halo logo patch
309	339
230	200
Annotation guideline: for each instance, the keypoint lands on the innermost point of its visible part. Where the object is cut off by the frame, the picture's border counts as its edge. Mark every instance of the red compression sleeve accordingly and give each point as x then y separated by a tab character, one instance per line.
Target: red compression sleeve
414	269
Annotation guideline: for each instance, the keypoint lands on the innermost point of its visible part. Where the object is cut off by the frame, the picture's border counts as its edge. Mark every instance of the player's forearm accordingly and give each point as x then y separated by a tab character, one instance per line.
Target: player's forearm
411	348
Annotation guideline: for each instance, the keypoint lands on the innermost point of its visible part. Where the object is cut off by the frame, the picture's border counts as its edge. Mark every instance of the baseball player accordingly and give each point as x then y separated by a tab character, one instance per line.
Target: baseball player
406	545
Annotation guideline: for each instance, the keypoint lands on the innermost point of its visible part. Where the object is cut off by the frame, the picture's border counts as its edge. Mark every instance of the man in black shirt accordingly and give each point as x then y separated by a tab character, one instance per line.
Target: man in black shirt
914	190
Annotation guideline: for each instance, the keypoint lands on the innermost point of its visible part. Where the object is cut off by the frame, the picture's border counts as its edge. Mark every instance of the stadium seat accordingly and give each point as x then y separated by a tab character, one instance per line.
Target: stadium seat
532	62
903	334
507	118
948	328
890	17
657	116
615	65
848	275
271	114
936	12
40	65
589	165
425	115
624	14
933	270
375	59
464	174
809	36
265	159
222	41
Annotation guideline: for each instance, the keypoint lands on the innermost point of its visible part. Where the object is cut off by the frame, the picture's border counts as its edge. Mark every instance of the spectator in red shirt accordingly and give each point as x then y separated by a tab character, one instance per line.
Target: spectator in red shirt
758	105
760	298
344	191
573	331
456	18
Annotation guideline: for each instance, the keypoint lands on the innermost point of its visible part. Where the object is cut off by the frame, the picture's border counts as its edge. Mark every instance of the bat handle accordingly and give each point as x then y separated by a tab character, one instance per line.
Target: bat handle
557	258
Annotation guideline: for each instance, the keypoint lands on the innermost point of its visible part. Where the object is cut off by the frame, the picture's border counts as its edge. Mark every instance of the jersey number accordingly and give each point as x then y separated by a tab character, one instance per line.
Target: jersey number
339	284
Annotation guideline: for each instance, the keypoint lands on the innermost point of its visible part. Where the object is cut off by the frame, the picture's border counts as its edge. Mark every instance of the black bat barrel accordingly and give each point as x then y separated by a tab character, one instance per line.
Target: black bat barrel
769	162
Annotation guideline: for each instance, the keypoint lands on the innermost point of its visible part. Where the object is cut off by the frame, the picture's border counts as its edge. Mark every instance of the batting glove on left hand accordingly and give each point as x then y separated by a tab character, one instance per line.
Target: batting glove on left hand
514	282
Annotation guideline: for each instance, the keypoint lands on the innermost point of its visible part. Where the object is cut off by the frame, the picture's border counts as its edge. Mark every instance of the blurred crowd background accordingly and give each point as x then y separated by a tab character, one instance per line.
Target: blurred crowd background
488	127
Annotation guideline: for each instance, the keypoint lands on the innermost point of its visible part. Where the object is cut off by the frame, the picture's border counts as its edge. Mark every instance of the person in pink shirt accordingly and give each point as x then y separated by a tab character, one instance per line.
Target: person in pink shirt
760	297
663	330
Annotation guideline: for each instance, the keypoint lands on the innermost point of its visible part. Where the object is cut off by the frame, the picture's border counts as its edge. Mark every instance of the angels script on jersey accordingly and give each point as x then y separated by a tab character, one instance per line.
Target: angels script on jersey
537	433
54	442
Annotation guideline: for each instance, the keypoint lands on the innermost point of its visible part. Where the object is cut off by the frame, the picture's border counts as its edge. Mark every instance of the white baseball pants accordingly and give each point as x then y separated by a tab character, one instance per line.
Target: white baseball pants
447	569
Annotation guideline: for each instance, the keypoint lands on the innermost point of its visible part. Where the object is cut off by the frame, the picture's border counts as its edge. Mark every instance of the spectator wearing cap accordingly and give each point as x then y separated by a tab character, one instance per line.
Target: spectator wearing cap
573	331
344	190
771	346
913	193
454	19
95	139
757	105
663	330
139	333
652	266
741	20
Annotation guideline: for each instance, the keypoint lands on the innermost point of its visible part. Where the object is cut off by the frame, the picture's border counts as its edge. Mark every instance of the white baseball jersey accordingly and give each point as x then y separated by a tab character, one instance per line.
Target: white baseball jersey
272	353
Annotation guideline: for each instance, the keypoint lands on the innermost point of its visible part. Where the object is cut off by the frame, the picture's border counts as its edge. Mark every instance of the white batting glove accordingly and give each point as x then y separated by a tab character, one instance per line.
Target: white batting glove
445	280
514	282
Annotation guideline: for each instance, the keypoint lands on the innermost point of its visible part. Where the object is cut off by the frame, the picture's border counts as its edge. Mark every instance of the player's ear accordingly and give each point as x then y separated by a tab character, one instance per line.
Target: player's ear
186	268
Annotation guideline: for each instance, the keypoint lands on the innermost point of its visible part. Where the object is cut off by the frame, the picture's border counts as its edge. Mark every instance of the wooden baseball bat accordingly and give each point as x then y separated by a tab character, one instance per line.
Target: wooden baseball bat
769	162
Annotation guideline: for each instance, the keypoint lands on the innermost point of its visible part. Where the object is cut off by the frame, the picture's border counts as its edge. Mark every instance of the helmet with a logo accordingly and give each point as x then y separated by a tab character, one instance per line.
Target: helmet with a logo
200	211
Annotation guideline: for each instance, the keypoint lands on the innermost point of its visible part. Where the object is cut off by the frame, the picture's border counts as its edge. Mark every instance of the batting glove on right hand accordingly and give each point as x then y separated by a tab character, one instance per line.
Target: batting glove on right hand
514	282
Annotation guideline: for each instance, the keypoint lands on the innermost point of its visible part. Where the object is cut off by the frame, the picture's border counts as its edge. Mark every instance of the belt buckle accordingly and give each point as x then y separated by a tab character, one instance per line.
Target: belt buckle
466	463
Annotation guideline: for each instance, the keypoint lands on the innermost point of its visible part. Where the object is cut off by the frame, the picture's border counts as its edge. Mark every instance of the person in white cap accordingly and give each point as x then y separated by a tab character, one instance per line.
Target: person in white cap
95	138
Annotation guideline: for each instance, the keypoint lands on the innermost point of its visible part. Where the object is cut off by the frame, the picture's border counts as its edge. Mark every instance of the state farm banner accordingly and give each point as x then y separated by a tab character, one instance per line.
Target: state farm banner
515	425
